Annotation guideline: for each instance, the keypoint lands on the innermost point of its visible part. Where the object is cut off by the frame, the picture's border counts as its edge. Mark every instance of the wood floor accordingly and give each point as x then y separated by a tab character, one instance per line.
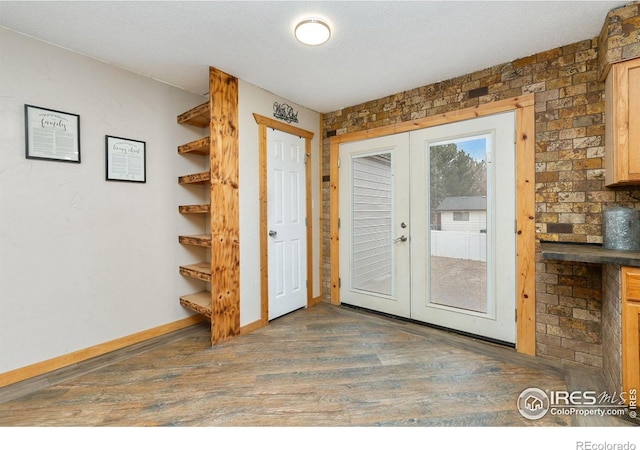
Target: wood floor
322	366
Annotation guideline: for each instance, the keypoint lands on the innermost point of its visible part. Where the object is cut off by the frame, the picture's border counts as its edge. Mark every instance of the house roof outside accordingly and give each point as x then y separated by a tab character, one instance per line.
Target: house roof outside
478	203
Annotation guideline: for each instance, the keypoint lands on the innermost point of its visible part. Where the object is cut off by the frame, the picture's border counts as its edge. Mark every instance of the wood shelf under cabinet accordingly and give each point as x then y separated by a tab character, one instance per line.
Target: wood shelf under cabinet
199	116
199	302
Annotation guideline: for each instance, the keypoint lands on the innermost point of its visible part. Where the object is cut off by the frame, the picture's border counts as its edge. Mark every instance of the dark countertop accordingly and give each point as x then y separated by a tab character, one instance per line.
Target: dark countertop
589	253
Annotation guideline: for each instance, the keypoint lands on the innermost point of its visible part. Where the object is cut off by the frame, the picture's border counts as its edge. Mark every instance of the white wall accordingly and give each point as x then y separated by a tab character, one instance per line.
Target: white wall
251	100
82	260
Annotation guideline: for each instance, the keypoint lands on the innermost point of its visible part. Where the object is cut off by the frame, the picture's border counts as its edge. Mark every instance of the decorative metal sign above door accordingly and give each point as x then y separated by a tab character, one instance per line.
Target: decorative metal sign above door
284	112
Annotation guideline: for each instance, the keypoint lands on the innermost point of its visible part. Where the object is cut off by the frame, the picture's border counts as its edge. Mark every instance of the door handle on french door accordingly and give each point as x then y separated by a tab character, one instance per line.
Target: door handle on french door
402	238
273	233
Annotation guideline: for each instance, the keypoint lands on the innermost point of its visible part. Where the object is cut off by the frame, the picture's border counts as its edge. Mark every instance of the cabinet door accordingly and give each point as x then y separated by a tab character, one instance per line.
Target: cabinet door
623	124
633	147
630	329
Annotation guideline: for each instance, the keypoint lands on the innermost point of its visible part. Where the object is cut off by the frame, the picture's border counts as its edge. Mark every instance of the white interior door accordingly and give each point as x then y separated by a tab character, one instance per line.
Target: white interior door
374	224
463	219
286	211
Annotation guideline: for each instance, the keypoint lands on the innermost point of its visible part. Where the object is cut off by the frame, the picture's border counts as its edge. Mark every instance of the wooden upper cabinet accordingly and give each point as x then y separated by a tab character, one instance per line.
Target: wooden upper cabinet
622	124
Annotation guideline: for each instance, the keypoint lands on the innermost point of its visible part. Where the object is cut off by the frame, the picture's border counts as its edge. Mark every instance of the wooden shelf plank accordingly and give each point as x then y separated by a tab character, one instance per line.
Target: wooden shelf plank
198	116
199	146
199	271
199	240
195	178
199	302
194	209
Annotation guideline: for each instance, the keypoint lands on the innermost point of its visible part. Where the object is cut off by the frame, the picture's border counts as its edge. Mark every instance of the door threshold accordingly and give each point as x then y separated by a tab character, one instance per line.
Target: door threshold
287	314
430	325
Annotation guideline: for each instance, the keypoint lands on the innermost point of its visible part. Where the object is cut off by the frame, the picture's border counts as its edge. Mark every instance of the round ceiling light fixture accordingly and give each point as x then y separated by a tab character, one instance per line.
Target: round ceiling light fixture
312	31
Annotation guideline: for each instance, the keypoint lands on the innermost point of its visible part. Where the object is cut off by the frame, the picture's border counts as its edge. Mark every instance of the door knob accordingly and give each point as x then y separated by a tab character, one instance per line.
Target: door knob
402	238
273	233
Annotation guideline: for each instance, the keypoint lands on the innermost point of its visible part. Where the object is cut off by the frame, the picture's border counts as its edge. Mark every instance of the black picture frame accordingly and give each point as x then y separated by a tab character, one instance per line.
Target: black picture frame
51	135
126	159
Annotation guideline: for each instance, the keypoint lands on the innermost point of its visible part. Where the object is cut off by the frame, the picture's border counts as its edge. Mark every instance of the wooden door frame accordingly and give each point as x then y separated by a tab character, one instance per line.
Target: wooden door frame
525	201
264	123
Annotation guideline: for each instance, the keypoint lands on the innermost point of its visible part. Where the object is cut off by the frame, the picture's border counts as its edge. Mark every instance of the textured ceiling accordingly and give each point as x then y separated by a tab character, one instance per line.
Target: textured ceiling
377	48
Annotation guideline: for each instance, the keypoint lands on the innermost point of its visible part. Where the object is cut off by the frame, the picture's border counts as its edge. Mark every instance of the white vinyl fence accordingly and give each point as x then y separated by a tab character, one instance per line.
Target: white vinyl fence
459	244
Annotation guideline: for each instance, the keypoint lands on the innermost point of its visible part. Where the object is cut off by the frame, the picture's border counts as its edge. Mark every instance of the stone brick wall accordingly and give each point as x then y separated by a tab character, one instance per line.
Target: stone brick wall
570	193
569	311
619	38
611	327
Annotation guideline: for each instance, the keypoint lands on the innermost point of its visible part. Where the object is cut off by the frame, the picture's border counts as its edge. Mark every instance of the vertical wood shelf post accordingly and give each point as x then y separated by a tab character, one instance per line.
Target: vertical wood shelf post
225	223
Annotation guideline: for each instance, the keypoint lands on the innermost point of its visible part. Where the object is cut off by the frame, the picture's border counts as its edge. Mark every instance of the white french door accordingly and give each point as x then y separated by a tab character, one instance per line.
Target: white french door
463	216
451	194
286	210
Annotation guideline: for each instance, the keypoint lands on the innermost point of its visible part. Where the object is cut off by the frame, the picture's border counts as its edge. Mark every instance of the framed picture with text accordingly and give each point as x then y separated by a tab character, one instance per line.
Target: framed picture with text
126	159
51	135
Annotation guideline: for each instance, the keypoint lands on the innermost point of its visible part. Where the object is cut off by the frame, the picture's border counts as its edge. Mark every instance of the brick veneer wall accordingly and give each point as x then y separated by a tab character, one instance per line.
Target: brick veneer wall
619	38
569	311
570	194
612	327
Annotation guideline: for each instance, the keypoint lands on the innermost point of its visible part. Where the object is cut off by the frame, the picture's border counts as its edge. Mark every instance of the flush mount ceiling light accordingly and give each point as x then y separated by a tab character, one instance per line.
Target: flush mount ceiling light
312	32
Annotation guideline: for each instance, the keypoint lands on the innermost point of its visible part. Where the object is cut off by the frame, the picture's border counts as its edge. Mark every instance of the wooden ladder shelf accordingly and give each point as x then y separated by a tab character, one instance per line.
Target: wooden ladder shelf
220	270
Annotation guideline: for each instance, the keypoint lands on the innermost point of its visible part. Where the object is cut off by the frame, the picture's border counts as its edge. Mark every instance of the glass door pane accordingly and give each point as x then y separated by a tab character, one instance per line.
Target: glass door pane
458	223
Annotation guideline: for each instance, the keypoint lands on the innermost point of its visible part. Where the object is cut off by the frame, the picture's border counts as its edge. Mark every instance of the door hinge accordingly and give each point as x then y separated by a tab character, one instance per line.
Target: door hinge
338	222
516	318
338	163
339	282
306	283
306	223
306	157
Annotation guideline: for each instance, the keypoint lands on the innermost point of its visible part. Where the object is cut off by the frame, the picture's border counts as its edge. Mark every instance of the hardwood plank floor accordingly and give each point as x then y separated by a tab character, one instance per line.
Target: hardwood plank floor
321	366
